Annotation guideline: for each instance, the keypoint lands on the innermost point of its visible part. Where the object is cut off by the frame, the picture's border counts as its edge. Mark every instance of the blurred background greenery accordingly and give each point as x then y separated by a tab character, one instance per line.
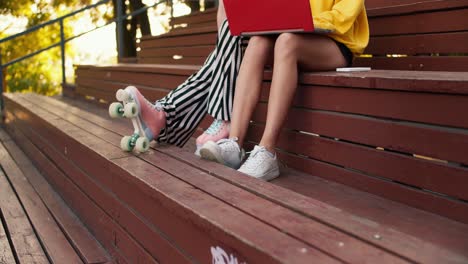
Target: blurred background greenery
42	73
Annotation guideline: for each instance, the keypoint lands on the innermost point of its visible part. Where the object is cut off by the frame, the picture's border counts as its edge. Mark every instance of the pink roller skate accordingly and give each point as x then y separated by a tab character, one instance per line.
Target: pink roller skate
219	129
147	119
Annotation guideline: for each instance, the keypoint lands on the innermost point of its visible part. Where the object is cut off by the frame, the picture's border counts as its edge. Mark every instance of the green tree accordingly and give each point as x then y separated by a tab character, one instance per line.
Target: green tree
41	73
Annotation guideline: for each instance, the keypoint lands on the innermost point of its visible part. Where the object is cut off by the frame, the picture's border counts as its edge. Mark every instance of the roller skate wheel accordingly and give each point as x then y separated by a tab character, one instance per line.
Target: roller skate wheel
130	110
142	144
122	95
116	110
125	143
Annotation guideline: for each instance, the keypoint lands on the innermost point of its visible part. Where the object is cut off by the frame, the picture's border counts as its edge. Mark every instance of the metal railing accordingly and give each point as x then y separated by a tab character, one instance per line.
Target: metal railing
119	20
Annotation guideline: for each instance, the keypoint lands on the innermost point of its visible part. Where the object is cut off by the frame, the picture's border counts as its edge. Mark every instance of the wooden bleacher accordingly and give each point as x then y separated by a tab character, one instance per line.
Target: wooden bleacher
375	162
36	225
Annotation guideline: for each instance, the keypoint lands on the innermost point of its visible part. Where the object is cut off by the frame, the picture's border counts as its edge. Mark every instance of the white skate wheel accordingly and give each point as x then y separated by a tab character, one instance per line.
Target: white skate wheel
130	110
142	144
125	143
122	95
116	110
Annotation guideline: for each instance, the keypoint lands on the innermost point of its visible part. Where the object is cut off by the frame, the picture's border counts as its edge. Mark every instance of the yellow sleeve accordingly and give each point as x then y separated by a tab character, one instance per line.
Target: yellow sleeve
341	17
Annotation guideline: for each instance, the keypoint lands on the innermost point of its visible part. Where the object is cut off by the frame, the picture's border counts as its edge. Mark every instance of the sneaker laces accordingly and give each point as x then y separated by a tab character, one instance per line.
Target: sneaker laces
256	158
229	144
214	127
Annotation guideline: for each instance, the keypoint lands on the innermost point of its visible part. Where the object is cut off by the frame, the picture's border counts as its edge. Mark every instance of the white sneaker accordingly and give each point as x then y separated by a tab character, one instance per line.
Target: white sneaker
261	164
224	151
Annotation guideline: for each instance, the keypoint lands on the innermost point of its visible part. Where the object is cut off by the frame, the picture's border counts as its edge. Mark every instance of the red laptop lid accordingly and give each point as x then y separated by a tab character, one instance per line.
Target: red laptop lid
268	15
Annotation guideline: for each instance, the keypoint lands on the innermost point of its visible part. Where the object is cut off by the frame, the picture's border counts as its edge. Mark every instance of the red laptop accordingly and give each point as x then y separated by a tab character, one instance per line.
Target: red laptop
259	17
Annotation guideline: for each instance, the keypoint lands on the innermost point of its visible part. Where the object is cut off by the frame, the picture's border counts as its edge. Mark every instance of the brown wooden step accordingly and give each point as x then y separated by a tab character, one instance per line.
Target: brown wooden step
448	242
37	226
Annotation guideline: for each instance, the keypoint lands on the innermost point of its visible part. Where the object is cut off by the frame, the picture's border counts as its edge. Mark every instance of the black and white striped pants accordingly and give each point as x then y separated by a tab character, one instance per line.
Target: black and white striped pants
210	90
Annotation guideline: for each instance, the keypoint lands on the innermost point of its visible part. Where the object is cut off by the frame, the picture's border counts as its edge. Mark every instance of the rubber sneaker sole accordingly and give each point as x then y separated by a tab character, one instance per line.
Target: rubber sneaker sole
209	151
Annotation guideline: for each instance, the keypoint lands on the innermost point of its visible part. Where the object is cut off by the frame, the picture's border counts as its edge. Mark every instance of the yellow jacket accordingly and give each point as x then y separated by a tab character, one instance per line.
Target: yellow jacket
347	19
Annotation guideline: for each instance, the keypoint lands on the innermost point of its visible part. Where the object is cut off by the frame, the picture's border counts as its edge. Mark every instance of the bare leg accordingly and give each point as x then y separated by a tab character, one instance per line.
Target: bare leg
221	15
311	53
249	84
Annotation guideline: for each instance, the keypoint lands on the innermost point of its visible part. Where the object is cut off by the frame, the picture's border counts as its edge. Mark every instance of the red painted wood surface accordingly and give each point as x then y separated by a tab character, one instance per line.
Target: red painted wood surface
79	237
102	122
433	95
24	241
305	230
420	63
288	243
49	233
418	29
200	40
389	7
117	241
195	18
189	42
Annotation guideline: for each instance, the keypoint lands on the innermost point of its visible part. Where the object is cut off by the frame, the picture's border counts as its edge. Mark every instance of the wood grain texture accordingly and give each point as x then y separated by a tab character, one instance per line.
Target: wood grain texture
25	243
81	239
51	236
287	242
6	252
113	126
115	239
308	231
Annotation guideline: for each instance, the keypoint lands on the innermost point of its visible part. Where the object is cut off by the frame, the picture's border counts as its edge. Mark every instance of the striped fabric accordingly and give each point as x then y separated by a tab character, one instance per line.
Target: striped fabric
210	90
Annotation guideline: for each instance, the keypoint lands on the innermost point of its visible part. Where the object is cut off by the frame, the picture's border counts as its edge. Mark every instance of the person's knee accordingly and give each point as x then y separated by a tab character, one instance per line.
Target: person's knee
287	45
260	44
260	49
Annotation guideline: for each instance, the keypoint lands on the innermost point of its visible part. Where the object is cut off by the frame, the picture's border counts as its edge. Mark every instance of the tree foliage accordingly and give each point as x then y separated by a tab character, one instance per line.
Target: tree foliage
41	73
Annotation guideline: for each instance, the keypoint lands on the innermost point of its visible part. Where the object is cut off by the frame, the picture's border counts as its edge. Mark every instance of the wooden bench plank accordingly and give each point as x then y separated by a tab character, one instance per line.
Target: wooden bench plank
51	236
438	109
357	225
420	23
377	8
115	239
437	177
307	230
4	136
152	68
6	253
418	44
413	63
286	242
93	88
26	245
103	135
163	80
200	39
199	51
446	144
185	60
433	82
185	31
378	210
110	87
195	18
177	154
89	249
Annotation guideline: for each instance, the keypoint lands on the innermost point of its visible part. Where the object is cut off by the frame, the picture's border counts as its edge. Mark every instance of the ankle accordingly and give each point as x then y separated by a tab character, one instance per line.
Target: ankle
269	148
237	140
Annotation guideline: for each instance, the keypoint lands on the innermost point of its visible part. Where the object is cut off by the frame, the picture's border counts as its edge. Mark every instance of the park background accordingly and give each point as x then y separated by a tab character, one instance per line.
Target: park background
42	73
